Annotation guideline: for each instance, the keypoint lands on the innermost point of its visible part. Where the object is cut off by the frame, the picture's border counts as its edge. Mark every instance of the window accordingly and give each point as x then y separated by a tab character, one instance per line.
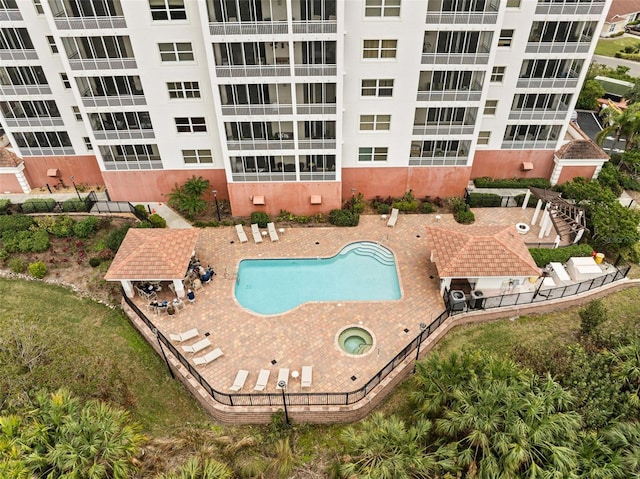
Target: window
377	87
505	38
483	137
513	3
87	143
490	107
191	125
76	113
380	48
176	52
37	4
167	9
497	74
52	44
382	8
187	89
65	80
375	122
197	156
379	153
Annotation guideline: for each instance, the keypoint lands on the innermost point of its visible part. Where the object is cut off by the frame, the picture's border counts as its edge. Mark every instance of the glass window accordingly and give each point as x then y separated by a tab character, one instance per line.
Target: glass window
377	88
506	36
379	49
378	153
490	107
483	137
197	156
168	9
375	122
497	74
382	8
191	124
187	89
176	52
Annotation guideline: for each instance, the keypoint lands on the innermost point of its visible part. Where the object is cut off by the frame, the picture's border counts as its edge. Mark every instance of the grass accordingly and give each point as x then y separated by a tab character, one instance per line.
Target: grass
609	47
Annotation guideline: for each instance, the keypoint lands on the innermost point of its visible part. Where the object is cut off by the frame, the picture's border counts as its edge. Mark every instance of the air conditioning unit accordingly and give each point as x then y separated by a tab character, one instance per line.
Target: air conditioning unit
477	299
457	300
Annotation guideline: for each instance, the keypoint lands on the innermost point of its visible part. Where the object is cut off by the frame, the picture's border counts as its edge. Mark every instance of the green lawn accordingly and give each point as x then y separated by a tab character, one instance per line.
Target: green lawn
609	47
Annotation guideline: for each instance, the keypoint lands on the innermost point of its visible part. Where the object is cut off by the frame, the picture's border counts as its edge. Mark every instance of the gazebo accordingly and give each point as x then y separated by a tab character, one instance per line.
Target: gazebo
153	255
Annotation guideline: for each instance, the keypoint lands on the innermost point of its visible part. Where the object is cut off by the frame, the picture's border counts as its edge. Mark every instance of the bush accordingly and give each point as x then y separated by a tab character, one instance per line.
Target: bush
40	241
35	205
343	218
592	316
17	265
74	205
38	269
141	211
105	254
486	182
465	217
407	202
533	201
15	223
86	227
115	238
4	206
144	224
261	218
427	208
157	221
484	200
383	208
95	262
303	220
63	227
544	256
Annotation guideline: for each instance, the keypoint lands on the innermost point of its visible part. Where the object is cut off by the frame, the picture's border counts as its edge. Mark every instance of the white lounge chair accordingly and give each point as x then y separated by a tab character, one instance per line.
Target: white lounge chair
207	358
257	236
192	333
307	374
273	234
263	378
238	382
393	218
199	346
283	375
242	236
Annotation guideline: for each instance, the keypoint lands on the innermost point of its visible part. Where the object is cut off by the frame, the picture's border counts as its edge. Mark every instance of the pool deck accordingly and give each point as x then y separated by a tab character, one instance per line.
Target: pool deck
306	336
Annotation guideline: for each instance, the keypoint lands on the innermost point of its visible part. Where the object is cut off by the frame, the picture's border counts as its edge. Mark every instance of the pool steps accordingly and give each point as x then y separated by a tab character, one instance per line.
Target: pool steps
373	250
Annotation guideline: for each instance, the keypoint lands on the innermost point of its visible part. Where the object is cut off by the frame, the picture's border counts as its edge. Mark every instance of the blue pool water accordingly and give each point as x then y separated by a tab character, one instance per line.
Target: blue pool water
362	271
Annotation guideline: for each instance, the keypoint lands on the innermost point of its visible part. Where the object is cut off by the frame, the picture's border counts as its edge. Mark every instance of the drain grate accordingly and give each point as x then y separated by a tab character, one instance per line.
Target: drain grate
273	361
353	378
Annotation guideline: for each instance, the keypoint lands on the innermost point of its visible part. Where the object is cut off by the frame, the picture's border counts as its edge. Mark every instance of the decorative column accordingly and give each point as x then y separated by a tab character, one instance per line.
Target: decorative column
536	213
526	199
128	288
543	222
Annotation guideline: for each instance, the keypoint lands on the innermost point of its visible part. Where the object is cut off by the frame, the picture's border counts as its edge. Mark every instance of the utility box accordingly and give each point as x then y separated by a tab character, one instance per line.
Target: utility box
457	300
477	299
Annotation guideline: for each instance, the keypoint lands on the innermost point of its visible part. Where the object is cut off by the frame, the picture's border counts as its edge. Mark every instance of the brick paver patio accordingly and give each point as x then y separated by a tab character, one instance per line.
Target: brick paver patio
307	335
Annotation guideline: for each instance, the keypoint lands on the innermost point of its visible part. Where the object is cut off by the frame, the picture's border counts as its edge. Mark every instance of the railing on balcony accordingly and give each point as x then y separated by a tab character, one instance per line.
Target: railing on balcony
450	95
315	26
10	15
102	63
559	114
125	100
317	144
86	23
455	58
121	163
443	130
558	47
270	109
266	27
316	108
37	122
264	176
568	82
316	70
123	134
225	71
46	150
18	55
438	160
260	145
549	144
462	18
595	7
25	90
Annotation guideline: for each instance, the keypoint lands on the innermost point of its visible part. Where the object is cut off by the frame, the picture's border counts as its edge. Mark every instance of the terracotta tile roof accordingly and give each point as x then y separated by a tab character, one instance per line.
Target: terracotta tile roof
474	251
153	254
8	158
620	8
581	150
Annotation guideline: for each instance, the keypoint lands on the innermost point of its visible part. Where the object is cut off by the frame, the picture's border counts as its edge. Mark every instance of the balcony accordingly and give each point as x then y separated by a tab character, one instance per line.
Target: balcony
558	47
10	15
529	144
455	58
270	109
559	114
89	23
443	130
18	55
102	101
462	18
316	70
595	7
102	63
568	82
227	71
316	109
450	95
260	144
439	160
122	163
24	90
264	176
34	122
266	27
317	144
124	134
315	26
46	151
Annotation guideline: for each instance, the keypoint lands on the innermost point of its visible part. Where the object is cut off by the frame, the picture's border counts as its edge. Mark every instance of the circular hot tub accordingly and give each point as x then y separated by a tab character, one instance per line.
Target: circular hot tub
355	340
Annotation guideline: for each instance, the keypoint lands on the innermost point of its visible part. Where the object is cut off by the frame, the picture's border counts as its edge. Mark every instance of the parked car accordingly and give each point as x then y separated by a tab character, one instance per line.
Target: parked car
633	29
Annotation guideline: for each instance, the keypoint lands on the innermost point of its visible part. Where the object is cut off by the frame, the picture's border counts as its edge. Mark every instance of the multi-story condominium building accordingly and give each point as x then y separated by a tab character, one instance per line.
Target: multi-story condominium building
291	104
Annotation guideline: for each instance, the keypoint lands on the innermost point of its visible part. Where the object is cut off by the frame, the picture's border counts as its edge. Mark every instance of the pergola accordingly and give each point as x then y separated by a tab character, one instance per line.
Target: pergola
566	218
153	255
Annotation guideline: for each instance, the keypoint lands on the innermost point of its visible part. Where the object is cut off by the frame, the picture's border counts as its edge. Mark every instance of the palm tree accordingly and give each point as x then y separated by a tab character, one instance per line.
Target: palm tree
627	369
621	124
195	468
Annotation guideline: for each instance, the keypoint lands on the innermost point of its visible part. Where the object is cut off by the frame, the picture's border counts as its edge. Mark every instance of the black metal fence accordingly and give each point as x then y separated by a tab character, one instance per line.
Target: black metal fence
293	399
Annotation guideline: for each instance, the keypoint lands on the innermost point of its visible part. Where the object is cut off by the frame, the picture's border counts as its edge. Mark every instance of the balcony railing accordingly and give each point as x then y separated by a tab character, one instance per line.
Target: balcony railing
595	7
529	144
249	28
462	18
568	82
264	176
140	163
10	15
225	71
125	100
316	70
102	63
124	134
260	145
450	95
443	130
37	122
316	108
438	161
558	47
317	144
455	58
87	23
18	55
560	114
46	151
315	26
25	90
271	109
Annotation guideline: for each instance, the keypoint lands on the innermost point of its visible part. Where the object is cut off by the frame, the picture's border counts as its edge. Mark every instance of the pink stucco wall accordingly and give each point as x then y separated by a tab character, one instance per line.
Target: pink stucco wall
84	169
508	163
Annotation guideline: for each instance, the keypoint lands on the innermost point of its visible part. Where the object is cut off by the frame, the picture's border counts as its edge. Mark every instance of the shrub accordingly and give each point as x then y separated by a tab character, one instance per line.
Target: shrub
157	221
95	262
405	206
63	227
74	205
428	207
37	205
343	218
303	220
141	211
17	265
261	218
458	205
40	241
477	200
383	208
86	227
115	238
14	223
105	254
4	254
38	269
632	254
144	224
4	206
486	182
465	217
544	256
533	201
592	316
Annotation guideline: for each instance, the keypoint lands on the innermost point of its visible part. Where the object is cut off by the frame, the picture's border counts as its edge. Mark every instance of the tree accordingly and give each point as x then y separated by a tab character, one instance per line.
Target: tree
621	124
633	95
588	98
615	227
188	197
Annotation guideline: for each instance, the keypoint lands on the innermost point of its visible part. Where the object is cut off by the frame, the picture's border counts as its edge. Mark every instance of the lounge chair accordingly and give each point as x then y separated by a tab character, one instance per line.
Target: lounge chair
305	380
263	378
283	375
199	346
242	236
393	218
273	234
257	236
238	382
192	333
207	358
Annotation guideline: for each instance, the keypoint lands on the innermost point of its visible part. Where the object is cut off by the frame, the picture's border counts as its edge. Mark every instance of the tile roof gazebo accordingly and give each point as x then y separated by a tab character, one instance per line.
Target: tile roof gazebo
488	257
153	255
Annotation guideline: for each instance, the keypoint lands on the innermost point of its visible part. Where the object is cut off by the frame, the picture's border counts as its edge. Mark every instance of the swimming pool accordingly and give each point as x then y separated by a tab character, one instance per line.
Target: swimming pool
363	271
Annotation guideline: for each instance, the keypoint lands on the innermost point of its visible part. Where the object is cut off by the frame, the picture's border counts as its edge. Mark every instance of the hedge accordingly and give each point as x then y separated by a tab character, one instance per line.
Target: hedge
486	182
533	201
484	200
4	206
261	218
544	256
343	218
74	205
35	205
15	223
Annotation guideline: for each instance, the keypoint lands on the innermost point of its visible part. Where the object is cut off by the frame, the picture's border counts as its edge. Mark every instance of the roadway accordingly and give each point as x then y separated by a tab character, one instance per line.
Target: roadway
591	124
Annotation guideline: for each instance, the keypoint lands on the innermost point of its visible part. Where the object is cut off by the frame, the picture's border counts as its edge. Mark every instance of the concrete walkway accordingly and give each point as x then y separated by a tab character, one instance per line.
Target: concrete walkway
173	219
